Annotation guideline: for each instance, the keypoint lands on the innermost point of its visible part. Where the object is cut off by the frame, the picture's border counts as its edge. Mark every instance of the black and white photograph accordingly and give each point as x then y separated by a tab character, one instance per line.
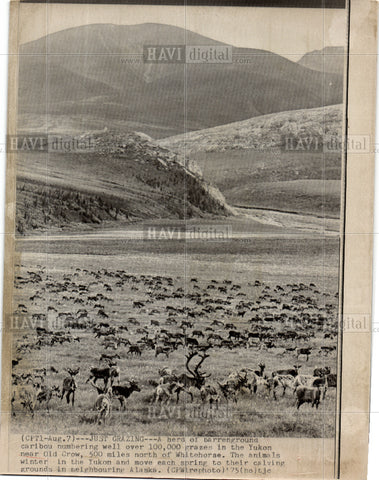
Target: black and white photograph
179	223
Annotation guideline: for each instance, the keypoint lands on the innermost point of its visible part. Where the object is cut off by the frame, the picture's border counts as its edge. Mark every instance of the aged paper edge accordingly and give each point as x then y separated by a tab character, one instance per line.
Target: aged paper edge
355	356
356	249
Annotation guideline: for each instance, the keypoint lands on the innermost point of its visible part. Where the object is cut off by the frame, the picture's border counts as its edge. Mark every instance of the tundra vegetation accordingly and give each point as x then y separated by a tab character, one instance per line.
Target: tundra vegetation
157	353
115	331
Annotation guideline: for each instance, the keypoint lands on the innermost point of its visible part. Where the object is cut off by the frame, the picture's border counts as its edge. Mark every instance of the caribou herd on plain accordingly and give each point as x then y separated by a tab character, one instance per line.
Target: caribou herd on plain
219	315
170	385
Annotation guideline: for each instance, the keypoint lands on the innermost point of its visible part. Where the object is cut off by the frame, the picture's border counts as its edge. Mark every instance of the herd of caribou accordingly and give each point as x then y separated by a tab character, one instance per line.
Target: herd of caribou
32	388
160	317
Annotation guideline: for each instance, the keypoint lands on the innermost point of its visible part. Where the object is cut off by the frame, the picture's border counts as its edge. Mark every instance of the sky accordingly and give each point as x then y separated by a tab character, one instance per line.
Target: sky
290	32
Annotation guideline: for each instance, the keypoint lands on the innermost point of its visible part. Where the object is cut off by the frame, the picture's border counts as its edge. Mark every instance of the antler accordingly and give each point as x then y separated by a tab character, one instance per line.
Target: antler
73	372
189	357
202	356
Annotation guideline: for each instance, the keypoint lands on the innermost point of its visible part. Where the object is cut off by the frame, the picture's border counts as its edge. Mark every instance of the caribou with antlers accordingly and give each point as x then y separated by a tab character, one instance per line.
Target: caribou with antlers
196	377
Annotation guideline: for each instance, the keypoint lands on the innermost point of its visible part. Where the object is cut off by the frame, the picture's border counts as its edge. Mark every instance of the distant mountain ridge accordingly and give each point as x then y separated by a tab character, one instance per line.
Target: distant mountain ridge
96	71
329	60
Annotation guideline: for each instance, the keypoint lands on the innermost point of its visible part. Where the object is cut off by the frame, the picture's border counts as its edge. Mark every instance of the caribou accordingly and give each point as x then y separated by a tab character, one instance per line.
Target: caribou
106	374
69	385
194	377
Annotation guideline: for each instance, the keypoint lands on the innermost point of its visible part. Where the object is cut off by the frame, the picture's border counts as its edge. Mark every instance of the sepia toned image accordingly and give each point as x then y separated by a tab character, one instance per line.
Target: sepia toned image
178	219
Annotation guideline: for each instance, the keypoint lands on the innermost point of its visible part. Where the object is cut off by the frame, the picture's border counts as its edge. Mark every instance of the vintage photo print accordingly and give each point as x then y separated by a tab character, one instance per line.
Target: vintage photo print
188	248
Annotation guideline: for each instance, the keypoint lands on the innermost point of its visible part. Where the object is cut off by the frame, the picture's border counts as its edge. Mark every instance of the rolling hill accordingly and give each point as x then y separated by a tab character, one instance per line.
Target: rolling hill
96	71
249	163
262	133
328	60
125	178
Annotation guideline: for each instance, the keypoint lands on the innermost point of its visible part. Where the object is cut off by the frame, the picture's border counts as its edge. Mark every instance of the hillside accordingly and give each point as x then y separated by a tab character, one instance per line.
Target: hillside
328	60
261	133
125	179
97	71
248	161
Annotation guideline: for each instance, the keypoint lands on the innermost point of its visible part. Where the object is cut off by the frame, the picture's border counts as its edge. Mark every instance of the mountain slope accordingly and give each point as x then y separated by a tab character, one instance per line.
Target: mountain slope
261	133
97	70
125	178
249	163
328	60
